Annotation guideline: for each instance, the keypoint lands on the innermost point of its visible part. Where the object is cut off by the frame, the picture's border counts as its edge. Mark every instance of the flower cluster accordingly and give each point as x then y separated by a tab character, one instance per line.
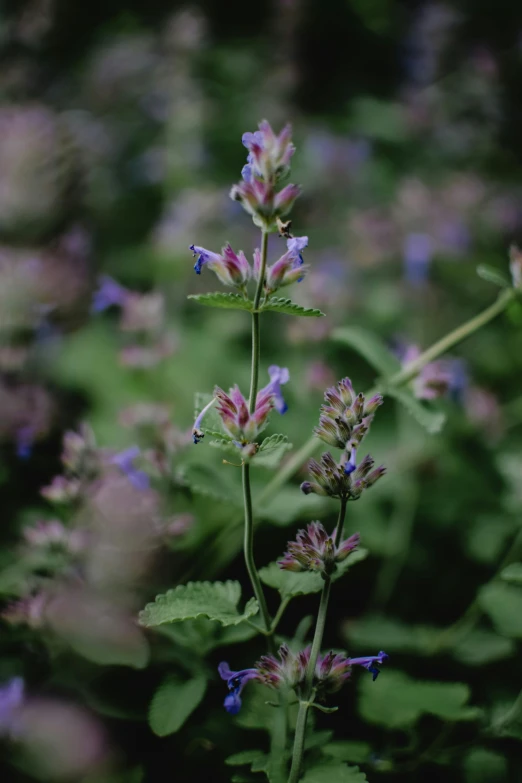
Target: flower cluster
315	550
233	269
268	161
241	425
344	479
289	671
346	417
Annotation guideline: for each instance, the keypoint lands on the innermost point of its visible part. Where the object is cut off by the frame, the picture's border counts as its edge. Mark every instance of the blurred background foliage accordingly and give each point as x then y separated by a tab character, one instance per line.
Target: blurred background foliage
120	130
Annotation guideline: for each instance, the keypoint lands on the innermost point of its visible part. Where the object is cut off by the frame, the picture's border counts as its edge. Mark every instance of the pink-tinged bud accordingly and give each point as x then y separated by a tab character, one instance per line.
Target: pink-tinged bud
284	200
269	154
373	403
346	417
515	265
289	268
315	550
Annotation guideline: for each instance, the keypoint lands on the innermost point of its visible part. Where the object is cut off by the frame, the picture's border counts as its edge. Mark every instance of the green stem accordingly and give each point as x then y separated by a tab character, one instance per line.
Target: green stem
256	331
248	540
304	704
453	338
277	619
248	548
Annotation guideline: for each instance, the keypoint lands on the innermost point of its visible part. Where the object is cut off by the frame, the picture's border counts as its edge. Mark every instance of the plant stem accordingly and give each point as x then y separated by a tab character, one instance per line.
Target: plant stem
248	540
256	332
248	548
304	704
453	338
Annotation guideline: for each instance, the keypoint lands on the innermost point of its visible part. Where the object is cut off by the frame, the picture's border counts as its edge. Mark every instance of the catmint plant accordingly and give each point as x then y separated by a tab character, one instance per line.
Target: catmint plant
237	419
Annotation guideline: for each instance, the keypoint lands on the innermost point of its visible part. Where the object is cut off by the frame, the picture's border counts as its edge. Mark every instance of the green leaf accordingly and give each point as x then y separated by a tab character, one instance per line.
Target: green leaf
203	635
223	300
503	603
326	772
348	750
173	702
370	347
492	275
210	482
244	757
290	308
289	504
396	701
484	766
391	635
512	573
272	450
215	600
431	419
290	583
481	646
225	445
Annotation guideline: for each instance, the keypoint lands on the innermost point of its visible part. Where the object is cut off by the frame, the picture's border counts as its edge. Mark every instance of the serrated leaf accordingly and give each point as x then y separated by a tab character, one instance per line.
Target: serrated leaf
492	275
431	419
225	445
277	305
173	702
244	757
272	450
370	347
290	583
512	573
223	300
503	603
397	701
215	600
333	773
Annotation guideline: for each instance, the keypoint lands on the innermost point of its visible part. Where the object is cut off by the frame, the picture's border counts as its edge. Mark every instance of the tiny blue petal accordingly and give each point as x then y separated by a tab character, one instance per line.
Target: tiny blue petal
232	703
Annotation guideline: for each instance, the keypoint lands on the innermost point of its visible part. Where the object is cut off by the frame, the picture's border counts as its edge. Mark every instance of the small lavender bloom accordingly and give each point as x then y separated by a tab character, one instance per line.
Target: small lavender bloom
11	699
197	433
236	681
418	254
371	663
269	153
278	377
124	460
204	257
24	442
246	172
289	268
231	268
108	294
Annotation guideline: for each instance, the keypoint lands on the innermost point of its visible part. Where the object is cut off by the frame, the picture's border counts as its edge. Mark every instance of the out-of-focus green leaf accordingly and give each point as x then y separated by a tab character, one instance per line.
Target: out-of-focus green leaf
391	635
289	504
244	757
512	573
397	701
333	772
370	347
213	483
215	600
290	583
503	603
492	275
431	419
290	308
485	766
272	451
348	750
480	647
204	635
173	702
225	445
224	300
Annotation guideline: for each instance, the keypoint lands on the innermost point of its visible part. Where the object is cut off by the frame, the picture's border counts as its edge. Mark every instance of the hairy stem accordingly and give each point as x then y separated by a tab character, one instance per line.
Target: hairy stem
304	704
248	540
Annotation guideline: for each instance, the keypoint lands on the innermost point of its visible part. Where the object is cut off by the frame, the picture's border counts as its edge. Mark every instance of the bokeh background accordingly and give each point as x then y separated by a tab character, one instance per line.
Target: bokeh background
120	136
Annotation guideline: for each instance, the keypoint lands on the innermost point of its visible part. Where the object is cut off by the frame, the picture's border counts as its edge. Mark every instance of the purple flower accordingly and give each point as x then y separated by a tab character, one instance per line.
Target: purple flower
278	377
108	294
11	699
236	681
124	460
289	268
346	416
197	433
418	254
371	663
268	153
231	268
24	442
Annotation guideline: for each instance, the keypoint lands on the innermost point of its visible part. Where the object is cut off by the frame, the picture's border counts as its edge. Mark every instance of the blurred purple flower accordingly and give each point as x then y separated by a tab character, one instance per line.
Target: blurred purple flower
24	442
108	294
278	377
418	254
11	699
124	460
